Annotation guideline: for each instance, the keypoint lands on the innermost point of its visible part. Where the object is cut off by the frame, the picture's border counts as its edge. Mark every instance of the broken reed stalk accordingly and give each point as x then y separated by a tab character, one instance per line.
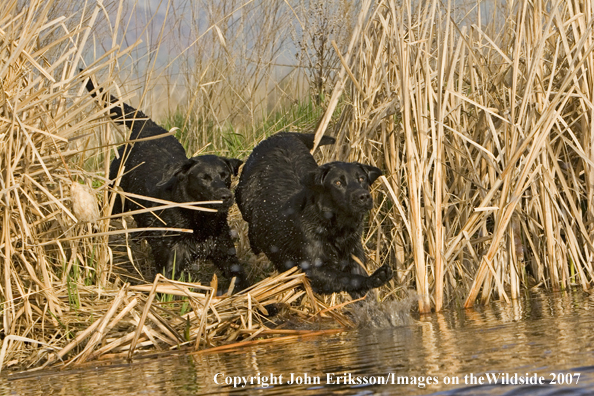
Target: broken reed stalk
212	320
485	132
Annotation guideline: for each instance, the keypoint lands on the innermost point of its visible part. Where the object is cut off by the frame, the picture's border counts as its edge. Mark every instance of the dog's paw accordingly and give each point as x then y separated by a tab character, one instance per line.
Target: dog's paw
380	276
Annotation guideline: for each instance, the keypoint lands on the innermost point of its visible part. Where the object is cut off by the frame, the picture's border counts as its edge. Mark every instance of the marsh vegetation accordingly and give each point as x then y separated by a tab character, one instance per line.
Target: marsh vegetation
480	117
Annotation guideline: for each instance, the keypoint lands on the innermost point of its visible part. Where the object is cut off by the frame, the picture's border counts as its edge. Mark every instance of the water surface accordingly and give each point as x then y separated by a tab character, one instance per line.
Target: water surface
543	338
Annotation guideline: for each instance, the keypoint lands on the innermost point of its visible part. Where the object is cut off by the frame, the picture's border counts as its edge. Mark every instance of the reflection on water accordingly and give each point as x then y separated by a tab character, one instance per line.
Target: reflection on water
541	337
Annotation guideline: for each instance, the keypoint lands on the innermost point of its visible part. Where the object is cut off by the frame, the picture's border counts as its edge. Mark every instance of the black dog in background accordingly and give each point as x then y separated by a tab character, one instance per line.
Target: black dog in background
303	214
159	168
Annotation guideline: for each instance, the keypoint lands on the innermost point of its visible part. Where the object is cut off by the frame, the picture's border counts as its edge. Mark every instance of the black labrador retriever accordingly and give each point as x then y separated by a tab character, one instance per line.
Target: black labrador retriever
303	214
159	168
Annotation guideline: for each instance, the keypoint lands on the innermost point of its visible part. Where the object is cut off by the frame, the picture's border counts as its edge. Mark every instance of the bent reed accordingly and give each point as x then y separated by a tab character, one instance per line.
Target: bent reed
483	131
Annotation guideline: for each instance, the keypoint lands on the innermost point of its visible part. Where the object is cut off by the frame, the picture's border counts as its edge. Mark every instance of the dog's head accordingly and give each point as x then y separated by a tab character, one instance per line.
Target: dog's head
205	178
345	184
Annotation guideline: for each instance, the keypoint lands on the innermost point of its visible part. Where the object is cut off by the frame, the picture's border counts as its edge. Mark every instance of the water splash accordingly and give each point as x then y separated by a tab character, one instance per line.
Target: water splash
372	313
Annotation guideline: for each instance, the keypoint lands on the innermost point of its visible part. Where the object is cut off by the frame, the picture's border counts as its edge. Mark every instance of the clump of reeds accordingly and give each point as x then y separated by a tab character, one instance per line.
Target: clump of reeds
137	320
485	132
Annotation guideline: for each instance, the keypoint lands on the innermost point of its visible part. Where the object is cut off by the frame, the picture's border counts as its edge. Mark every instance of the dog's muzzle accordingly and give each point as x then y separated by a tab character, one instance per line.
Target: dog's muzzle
227	198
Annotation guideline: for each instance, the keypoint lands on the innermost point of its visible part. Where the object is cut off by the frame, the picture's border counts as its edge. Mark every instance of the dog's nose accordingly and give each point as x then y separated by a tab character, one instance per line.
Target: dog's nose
226	196
364	197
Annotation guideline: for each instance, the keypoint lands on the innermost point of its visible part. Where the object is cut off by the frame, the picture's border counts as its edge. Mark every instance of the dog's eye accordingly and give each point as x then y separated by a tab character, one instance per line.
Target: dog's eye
223	175
206	177
361	179
338	183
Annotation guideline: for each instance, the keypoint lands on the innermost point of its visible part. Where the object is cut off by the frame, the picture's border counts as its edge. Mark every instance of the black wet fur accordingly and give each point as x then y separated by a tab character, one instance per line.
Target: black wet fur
159	168
303	214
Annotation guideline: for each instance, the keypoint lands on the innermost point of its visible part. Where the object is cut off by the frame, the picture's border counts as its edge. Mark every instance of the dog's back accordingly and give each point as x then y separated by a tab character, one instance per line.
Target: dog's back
276	169
140	125
156	156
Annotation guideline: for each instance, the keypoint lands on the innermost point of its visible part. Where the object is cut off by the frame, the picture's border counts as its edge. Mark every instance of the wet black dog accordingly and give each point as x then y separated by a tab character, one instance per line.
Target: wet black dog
303	214
159	168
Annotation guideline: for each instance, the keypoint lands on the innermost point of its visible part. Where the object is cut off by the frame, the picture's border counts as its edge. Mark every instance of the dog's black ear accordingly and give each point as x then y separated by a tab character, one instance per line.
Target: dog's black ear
315	179
372	172
173	174
184	168
233	164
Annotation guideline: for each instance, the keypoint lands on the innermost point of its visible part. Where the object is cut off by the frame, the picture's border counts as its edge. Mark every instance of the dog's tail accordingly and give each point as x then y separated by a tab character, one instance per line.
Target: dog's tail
124	113
308	139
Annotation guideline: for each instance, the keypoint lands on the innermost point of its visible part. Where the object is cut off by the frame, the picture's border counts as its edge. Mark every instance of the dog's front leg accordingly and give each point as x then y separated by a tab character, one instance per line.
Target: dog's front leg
326	279
225	258
171	258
